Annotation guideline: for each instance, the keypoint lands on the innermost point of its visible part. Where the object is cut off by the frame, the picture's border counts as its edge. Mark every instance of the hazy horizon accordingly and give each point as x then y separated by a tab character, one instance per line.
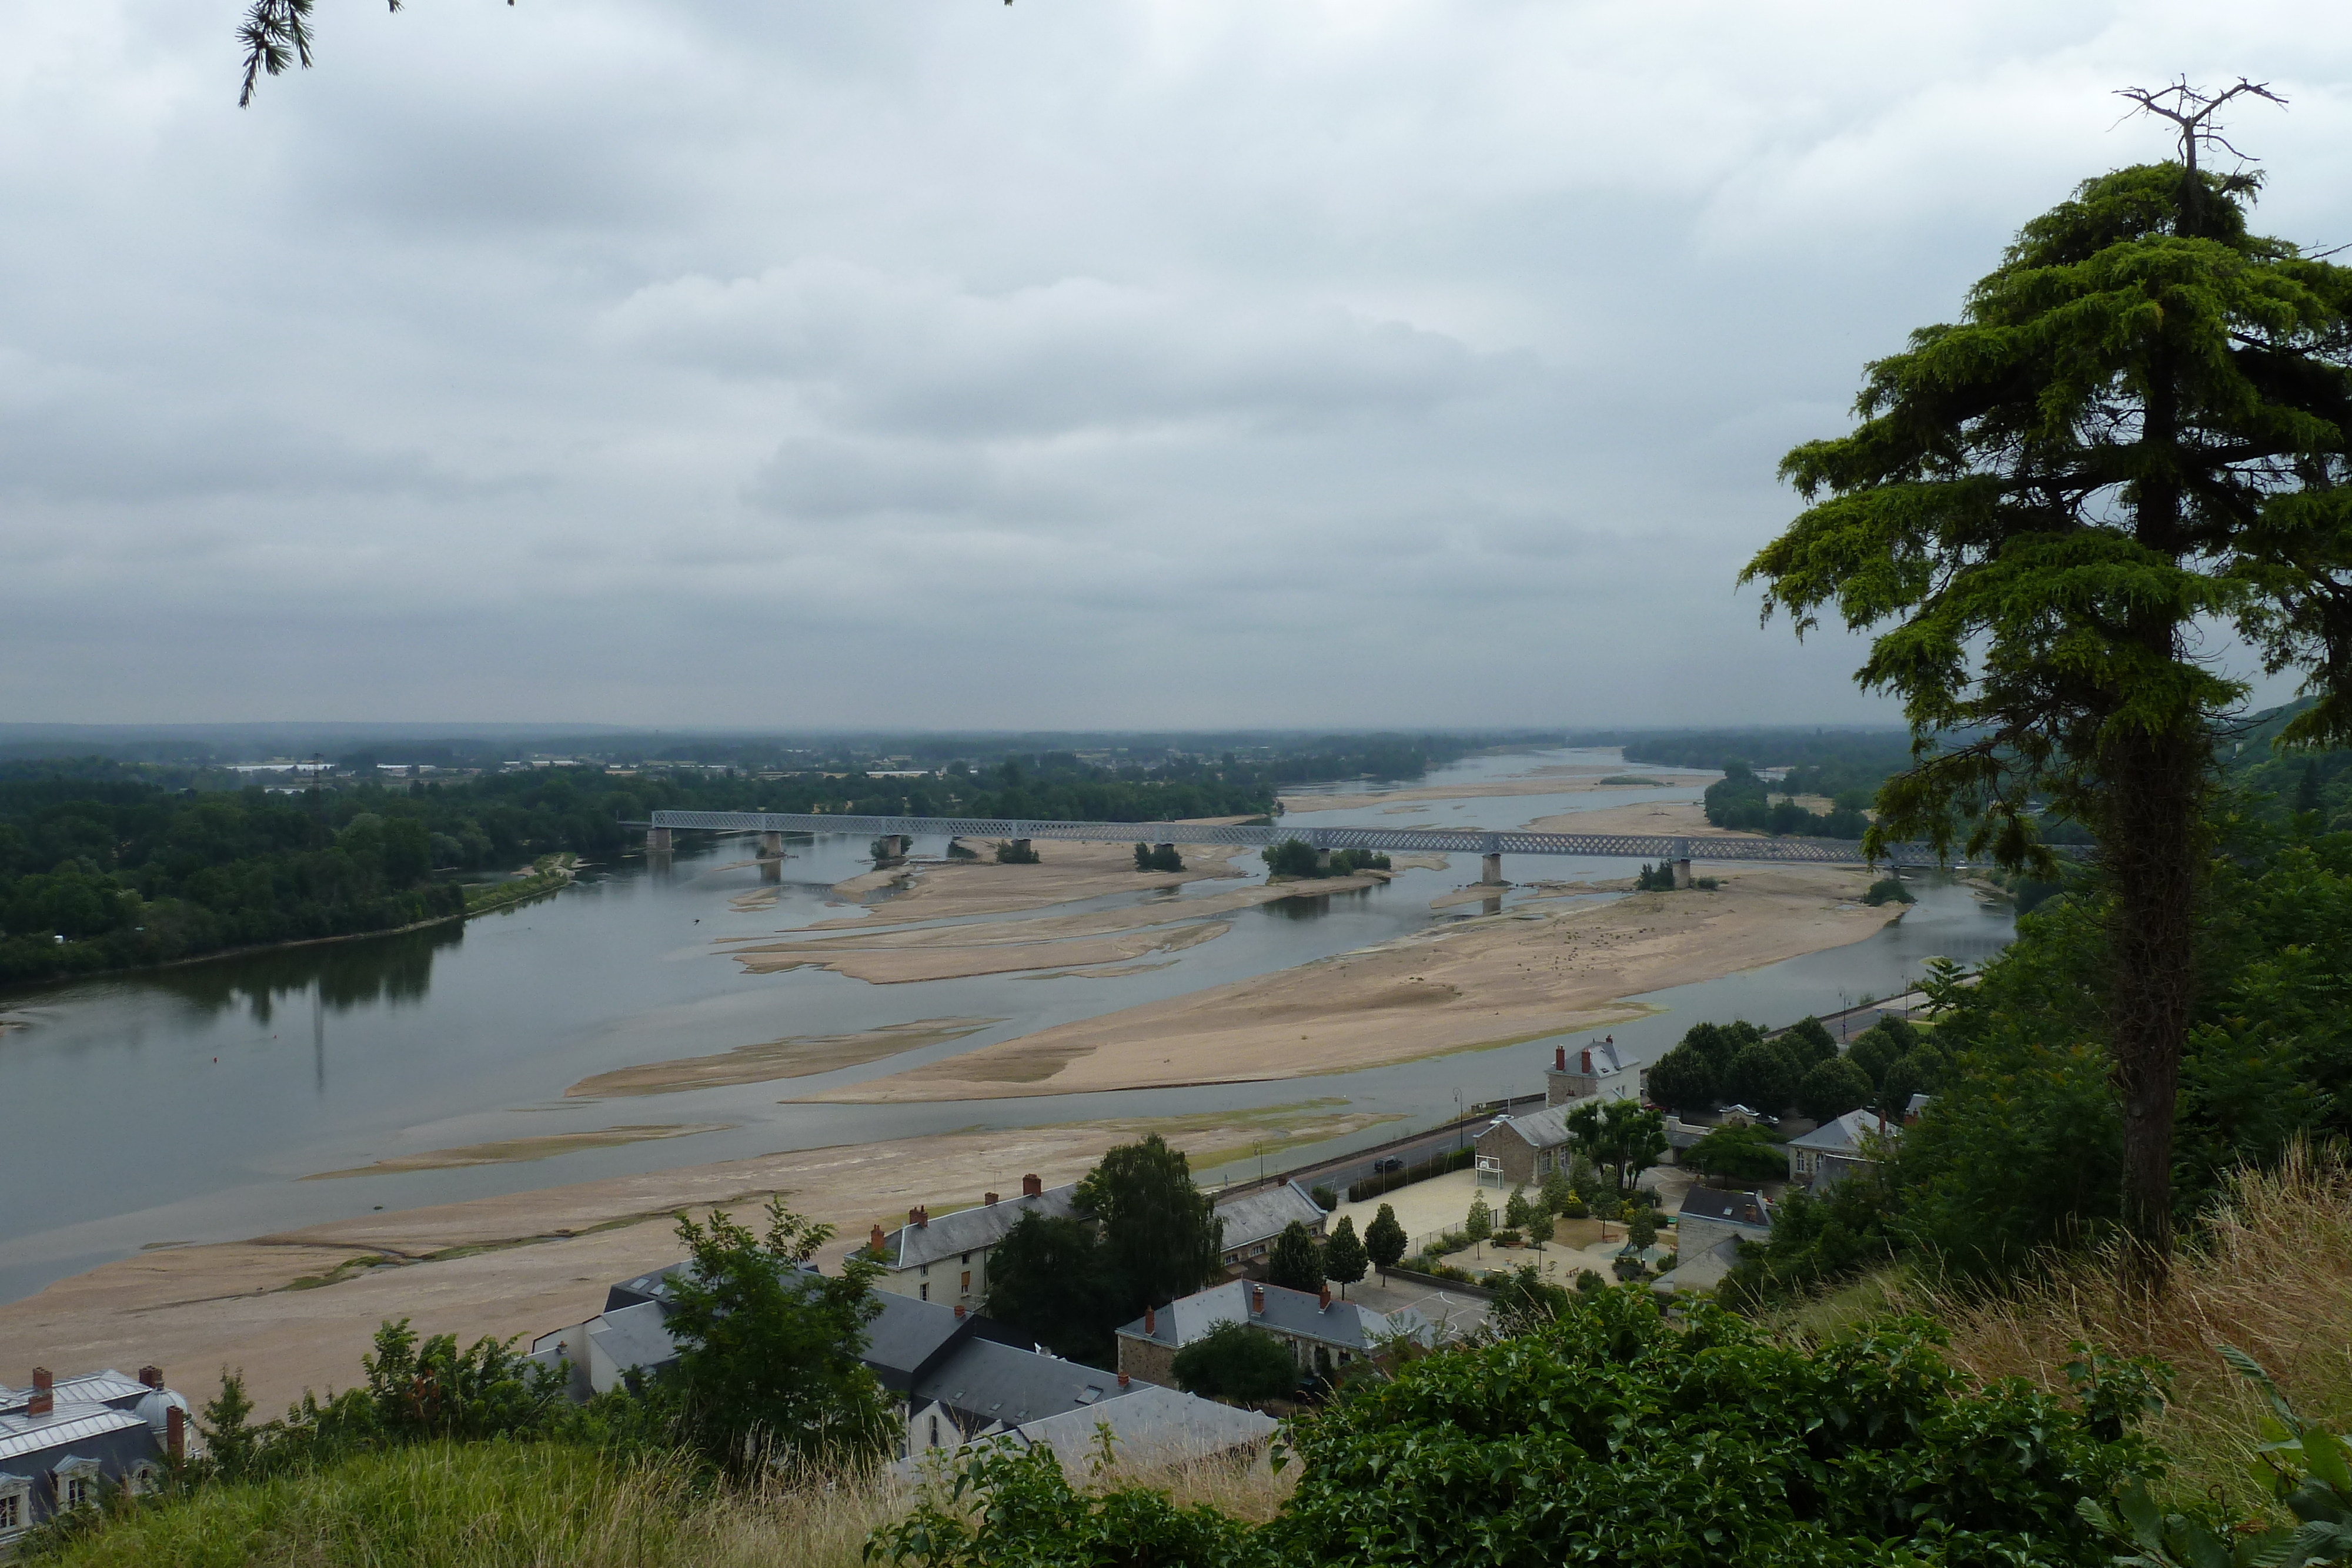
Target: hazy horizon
1161	366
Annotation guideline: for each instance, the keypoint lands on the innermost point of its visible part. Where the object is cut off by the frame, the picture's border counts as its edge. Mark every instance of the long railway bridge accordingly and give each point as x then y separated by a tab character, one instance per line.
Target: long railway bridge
1676	851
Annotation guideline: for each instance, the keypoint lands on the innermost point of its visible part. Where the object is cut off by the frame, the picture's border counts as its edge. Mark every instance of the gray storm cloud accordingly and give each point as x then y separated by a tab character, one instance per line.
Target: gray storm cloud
1180	361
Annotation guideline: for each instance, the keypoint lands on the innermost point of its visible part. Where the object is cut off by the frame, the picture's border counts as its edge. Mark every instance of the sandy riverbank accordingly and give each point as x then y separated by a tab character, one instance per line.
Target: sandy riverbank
1540	969
1561	780
1066	874
296	1310
795	1055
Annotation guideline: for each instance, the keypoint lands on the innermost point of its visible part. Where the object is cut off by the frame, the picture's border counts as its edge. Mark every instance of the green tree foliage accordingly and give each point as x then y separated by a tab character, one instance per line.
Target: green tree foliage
1014	853
1518	1214
1295	1260
1384	1240
1479	1224
1762	1078
1527	1304
1049	1277
2138	427
1742	801
1620	1134
1659	878
1881	1046
1888	890
1345	1259
1685	1079
1600	1434
1816	1237
1558	1187
1234	1361
1811	1039
1161	1237
1641	1227
768	1348
1832	1089
1739	1154
1159	857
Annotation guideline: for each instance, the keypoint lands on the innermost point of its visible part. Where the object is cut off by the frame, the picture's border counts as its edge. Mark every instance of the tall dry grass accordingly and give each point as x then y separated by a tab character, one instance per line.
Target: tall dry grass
2269	1270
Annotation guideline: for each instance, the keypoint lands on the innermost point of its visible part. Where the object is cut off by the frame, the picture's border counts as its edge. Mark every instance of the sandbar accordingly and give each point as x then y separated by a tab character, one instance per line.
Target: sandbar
296	1310
1540	782
795	1056
1065	873
1476	983
515	1150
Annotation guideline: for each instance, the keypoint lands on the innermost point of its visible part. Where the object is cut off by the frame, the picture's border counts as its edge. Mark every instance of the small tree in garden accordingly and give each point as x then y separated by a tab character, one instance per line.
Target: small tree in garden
1480	1224
1518	1214
1384	1240
1642	1228
1234	1360
1344	1258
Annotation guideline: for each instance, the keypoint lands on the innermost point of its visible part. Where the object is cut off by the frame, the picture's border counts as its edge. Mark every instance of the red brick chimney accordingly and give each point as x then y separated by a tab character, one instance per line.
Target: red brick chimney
1122	1380
919	1217
1031	1186
1327	1298
153	1376
176	1433
989	1198
1257	1299
959	1309
877	1241
1559	1059
1588	1061
1150	1321
44	1400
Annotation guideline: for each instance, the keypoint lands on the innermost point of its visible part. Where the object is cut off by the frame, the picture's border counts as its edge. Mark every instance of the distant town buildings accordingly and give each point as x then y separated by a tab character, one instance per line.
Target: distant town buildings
1321	1333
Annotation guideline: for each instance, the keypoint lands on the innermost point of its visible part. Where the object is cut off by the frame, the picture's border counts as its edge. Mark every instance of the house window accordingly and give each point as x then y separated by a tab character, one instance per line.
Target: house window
77	1491
965	1259
926	1292
12	1510
967	1282
925	1271
935	1431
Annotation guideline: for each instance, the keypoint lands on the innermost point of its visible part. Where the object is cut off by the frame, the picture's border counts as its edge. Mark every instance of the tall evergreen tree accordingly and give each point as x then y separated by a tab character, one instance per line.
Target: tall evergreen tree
1295	1260
2138	426
1384	1238
1344	1258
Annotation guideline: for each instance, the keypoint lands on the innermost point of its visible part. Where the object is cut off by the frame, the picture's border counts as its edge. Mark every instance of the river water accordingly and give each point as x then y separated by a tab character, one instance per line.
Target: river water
186	1104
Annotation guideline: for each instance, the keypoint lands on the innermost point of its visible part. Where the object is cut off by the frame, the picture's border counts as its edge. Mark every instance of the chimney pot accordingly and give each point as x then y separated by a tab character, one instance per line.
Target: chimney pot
877	1241
1257	1299
959	1309
1588	1062
44	1400
919	1217
1150	1321
1326	1298
989	1198
1031	1186
153	1376
176	1433
1122	1380
1560	1058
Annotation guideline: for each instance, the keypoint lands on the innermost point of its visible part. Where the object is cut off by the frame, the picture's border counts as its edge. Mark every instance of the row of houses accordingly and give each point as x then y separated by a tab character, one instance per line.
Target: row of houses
945	1259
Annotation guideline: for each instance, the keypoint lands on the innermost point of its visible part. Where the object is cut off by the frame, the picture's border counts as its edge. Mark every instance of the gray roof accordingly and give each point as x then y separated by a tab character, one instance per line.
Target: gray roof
649	1286
1261	1216
1847	1134
73	1421
988	1382
1608	1056
635	1336
108	1388
1545	1129
970	1229
1150	1424
1725	1208
907	1336
1347	1324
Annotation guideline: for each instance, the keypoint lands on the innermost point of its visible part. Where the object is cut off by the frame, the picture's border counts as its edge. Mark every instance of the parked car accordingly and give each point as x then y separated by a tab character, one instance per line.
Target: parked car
1388	1162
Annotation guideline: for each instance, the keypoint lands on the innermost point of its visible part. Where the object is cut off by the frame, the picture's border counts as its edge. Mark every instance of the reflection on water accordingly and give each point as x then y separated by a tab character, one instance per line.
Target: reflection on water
392	971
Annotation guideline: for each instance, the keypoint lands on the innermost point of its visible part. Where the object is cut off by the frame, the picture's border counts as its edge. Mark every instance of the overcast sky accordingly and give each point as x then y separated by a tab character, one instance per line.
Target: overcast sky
940	362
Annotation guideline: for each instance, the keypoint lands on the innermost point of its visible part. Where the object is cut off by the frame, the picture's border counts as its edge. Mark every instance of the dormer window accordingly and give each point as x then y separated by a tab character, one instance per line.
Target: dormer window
76	1483
16	1504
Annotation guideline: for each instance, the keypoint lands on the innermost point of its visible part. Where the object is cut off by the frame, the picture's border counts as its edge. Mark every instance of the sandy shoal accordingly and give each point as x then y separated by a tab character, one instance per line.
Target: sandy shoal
894	954
795	1056
1065	873
1486	981
517	1151
533	1262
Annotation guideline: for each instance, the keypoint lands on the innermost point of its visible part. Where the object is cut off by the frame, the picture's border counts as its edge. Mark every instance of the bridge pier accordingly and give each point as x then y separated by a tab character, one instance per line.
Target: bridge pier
657	841
771	846
1490	870
1682	873
1322	860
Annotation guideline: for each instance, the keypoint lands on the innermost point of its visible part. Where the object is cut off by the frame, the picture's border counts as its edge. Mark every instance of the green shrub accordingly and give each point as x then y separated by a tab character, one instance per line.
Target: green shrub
1234	1361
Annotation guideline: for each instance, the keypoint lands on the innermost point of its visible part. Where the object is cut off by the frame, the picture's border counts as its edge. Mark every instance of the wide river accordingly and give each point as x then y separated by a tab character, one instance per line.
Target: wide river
188	1104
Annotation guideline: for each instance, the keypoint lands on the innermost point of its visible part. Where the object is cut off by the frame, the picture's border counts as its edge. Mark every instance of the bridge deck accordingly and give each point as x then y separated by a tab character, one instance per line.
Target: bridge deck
1627	846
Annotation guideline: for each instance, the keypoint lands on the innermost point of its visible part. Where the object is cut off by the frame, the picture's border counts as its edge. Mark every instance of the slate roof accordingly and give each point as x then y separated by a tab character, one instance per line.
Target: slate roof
1150	1424
108	1388
1725	1208
907	1336
1347	1324
1846	1135
1260	1216
1608	1056
649	1286
988	1383
970	1229
635	1336
1545	1129
73	1421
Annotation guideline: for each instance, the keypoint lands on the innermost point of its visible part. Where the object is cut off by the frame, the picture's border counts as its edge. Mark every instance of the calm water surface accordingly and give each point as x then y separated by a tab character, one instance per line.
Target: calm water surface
185	1105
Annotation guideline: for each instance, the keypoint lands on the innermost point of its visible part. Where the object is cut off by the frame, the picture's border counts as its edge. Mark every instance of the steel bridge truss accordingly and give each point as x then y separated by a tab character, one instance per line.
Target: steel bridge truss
1407	840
